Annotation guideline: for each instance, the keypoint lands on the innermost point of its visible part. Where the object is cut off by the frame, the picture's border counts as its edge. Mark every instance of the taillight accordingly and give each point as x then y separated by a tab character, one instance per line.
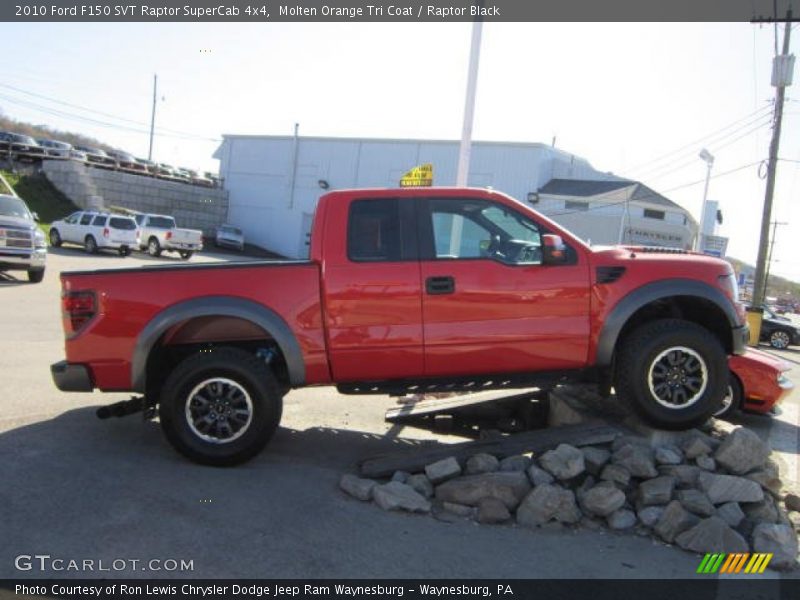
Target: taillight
169	235
78	309
106	232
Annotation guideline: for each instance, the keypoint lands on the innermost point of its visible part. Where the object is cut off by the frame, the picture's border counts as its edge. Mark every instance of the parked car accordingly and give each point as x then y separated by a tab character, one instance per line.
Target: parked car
159	233
78	156
23	246
165	171
95	231
21	147
127	162
229	236
778	331
757	383
97	157
390	301
55	148
198	178
149	165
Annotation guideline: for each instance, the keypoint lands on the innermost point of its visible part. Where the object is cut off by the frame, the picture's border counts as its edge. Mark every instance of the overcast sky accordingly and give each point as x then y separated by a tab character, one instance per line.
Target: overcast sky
620	95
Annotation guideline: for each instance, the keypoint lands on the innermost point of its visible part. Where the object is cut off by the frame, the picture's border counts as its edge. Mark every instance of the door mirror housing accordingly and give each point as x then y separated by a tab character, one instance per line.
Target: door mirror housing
35	216
554	252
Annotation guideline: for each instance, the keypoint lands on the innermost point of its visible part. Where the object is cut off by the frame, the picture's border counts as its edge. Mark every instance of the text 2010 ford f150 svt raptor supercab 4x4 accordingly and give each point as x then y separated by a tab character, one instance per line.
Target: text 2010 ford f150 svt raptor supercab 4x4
403	288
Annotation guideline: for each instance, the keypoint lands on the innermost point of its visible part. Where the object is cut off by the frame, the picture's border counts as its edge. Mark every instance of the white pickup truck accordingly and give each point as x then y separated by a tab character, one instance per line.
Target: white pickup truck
158	233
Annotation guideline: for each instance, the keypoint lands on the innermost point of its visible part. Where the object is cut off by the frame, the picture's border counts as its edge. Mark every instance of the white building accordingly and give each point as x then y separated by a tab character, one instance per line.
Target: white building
274	183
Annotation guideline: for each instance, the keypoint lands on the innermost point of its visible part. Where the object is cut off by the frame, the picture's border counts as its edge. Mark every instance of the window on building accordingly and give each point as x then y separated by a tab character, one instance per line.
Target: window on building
576	205
649	213
375	231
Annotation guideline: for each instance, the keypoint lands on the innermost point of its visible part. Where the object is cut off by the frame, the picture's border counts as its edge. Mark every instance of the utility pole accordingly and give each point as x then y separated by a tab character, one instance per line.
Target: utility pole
781	78
469	104
152	118
769	258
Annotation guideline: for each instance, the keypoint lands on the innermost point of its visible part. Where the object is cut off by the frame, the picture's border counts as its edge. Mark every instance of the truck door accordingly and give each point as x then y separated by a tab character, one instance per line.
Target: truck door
489	304
372	292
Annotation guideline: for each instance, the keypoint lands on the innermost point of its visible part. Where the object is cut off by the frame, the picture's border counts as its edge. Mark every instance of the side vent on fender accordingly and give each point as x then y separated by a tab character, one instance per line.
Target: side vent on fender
609	274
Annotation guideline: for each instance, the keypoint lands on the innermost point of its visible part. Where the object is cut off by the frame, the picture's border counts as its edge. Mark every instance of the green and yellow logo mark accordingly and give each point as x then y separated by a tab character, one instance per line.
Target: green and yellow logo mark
734	563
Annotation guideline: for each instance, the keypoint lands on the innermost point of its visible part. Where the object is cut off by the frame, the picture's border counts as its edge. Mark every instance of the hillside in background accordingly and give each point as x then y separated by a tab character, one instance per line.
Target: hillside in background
41	196
776	286
43	131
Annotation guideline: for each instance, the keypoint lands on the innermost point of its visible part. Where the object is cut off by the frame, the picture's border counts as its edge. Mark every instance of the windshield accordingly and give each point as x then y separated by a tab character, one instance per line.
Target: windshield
14	207
24	139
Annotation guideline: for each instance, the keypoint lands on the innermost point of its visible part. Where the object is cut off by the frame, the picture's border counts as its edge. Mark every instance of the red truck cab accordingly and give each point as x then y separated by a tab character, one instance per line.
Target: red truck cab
404	290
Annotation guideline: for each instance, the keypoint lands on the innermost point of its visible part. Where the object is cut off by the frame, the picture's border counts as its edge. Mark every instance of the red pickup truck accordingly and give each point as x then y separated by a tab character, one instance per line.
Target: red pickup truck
405	290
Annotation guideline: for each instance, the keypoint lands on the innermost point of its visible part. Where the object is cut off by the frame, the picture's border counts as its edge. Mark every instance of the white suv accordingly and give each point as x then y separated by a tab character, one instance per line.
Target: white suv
95	231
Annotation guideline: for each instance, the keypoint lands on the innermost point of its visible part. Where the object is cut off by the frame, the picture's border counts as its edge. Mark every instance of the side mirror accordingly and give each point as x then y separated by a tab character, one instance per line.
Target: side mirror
35	216
554	252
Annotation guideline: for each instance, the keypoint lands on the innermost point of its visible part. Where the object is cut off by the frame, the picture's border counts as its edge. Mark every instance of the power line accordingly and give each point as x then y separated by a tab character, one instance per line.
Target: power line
175	133
715	145
751	115
693	160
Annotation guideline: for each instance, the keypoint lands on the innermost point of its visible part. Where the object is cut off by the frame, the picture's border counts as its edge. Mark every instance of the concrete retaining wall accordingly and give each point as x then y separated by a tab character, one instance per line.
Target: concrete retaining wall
192	206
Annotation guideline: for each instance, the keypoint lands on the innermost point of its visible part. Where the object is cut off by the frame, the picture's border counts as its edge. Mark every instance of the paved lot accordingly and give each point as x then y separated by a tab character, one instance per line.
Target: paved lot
78	488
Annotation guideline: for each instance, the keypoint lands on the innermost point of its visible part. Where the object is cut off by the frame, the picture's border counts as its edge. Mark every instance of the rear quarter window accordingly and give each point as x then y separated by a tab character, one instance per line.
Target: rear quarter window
122	223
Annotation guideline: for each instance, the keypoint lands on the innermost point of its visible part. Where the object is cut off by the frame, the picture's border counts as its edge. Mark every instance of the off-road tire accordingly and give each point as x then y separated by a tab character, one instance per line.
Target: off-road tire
246	371
55	238
90	244
648	349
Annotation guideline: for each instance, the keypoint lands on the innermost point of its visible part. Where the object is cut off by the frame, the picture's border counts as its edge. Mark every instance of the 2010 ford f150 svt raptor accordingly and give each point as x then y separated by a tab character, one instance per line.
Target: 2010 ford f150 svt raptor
403	288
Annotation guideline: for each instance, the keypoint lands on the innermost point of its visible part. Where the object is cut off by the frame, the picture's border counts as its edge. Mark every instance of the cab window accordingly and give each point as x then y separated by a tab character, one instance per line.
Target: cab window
479	229
86	219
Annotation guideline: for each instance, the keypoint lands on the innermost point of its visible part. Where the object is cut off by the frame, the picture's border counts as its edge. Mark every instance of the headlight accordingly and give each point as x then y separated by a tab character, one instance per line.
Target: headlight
38	239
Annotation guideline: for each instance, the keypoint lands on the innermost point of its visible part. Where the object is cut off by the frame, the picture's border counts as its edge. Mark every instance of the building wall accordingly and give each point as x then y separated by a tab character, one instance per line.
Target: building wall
192	206
275	213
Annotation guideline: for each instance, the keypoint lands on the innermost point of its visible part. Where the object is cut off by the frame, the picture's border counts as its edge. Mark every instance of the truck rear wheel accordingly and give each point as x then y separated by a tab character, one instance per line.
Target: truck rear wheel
674	373
153	247
220	407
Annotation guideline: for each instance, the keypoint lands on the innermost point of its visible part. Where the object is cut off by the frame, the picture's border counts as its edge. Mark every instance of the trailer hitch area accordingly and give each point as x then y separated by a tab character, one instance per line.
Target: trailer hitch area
128	407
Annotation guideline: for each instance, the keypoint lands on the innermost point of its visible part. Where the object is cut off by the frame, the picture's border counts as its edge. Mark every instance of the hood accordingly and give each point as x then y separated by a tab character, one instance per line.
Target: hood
9	221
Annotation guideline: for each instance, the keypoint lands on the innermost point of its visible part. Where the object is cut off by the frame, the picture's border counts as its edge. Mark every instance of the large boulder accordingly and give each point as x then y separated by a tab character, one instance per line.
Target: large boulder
421	484
731	513
674	520
697	502
357	487
442	470
595	458
729	488
636	459
565	462
742	451
656	491
399	496
685	475
602	500
538	476
492	510
482	463
519	463
779	540
668	455
711	535
616	474
621	519
650	516
509	488
548	502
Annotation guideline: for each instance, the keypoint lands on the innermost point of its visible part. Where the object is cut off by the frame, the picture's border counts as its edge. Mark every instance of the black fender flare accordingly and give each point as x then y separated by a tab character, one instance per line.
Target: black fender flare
642	296
270	321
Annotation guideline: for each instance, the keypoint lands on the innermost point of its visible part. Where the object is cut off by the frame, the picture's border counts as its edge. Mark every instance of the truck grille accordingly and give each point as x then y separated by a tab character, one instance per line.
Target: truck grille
15	238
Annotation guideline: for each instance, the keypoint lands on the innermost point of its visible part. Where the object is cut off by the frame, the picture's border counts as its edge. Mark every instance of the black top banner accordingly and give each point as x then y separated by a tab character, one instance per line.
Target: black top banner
407	11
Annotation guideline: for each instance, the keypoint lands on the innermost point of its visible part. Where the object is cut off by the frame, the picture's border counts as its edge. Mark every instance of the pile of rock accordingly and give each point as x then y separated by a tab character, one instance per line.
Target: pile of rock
704	494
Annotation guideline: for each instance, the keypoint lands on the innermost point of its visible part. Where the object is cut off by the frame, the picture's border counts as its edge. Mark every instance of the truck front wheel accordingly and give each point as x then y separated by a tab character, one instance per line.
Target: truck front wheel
674	373
220	407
